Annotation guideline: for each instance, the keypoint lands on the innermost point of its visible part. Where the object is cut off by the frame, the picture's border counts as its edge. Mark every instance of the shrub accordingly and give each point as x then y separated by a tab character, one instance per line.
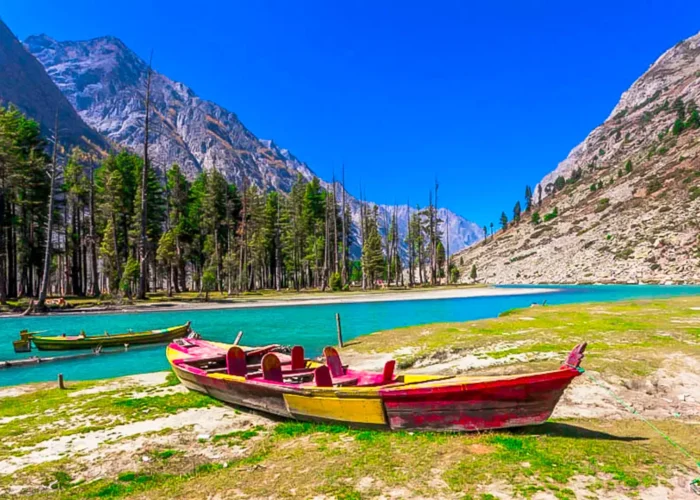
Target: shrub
454	274
336	282
628	166
536	218
603	203
678	127
654	185
559	183
694	193
594	187
551	215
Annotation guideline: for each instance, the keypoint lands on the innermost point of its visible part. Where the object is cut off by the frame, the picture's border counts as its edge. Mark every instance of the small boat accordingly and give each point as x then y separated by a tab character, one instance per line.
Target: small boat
289	385
82	341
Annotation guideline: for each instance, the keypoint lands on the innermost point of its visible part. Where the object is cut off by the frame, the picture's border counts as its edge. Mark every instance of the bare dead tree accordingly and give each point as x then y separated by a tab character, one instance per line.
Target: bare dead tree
95	287
49	229
345	237
143	240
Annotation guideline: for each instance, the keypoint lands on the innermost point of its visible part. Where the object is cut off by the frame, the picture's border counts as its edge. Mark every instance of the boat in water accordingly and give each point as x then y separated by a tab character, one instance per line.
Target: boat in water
69	342
274	380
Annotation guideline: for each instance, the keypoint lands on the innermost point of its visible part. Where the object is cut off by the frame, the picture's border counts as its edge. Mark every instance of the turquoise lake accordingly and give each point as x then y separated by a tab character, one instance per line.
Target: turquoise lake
312	326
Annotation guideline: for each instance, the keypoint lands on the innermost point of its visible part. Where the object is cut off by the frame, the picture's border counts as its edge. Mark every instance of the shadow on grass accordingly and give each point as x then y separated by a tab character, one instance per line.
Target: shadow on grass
560	429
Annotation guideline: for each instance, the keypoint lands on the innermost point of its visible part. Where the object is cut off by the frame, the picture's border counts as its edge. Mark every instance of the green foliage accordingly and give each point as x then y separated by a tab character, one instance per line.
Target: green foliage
504	221
628	166
516	212
654	185
336	282
593	187
559	183
620	114
694	193
603	204
472	273
551	215
528	198
535	219
454	274
130	275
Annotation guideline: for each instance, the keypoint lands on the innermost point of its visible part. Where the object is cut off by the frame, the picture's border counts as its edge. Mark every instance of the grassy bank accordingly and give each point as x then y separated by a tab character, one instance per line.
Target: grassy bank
149	438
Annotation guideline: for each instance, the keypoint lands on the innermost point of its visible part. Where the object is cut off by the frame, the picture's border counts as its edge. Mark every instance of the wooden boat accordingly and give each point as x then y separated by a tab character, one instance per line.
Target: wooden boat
63	342
294	387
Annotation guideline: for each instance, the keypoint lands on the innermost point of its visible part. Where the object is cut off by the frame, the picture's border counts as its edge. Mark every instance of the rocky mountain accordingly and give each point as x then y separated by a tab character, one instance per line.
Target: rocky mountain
624	206
105	82
25	84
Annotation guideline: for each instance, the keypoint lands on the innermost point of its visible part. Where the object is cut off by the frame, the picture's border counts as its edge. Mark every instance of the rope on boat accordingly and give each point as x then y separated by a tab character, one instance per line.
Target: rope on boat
695	483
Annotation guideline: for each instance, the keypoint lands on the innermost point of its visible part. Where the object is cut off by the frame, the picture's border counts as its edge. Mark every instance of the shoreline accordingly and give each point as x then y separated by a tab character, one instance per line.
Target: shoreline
339	298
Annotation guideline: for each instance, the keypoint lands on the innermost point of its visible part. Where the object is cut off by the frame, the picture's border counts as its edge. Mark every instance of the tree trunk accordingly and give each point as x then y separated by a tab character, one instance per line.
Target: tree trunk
143	240
49	221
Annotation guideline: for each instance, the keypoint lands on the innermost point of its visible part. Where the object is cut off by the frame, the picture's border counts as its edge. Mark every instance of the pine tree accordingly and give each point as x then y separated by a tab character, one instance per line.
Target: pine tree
516	212
504	221
528	198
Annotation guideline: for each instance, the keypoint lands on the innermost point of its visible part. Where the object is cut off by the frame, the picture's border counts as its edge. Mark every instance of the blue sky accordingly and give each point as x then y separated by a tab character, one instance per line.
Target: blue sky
485	96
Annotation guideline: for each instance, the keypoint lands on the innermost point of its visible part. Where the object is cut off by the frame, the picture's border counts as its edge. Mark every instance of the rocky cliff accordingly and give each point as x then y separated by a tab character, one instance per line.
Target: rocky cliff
105	82
25	84
627	198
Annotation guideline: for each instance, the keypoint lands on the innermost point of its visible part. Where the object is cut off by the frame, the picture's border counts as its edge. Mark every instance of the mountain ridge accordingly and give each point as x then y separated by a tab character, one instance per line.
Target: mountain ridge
102	78
25	84
626	197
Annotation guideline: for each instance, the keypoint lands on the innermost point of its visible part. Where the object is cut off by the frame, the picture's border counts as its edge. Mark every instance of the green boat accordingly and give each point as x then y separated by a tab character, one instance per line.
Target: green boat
82	341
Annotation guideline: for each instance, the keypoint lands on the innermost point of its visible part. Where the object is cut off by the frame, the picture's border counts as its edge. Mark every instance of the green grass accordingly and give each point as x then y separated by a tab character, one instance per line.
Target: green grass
643	331
298	459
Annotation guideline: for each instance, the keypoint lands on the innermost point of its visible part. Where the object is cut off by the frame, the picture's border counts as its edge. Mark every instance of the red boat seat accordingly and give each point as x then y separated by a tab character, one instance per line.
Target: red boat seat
298	361
322	377
271	368
388	374
235	362
333	361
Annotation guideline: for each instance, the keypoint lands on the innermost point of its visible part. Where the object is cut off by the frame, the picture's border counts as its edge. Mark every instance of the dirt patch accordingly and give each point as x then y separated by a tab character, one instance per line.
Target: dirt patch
202	421
671	392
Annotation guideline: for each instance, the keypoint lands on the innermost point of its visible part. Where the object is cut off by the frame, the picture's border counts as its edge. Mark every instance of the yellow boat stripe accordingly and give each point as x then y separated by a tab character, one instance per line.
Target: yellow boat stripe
351	410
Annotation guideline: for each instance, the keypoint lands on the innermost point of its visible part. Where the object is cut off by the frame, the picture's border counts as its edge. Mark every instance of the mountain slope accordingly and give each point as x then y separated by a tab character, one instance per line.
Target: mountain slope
24	83
105	82
628	196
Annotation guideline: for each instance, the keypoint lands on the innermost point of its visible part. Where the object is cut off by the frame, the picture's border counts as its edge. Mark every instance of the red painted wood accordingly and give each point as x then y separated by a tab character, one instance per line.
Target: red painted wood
333	361
462	406
388	373
272	368
236	362
298	361
322	377
575	356
491	405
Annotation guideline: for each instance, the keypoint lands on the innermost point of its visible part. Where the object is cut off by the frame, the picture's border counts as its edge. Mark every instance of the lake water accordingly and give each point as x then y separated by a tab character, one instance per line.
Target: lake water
310	325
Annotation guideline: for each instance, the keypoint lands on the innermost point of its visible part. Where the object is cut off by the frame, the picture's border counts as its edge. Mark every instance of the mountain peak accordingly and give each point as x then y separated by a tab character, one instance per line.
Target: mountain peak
105	81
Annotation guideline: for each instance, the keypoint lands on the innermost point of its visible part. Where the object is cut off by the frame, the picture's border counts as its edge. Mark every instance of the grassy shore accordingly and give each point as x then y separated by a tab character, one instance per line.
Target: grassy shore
146	437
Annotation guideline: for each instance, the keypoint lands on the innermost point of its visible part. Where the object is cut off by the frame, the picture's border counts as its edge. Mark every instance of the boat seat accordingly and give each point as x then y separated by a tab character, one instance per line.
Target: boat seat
388	373
333	362
235	362
322	377
271	368
285	373
298	361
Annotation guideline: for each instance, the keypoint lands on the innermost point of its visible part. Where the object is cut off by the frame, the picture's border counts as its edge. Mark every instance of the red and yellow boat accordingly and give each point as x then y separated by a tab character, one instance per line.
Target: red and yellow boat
289	385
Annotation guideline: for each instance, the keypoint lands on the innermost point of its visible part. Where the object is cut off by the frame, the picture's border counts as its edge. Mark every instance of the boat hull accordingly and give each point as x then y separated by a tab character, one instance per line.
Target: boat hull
477	407
117	340
412	403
